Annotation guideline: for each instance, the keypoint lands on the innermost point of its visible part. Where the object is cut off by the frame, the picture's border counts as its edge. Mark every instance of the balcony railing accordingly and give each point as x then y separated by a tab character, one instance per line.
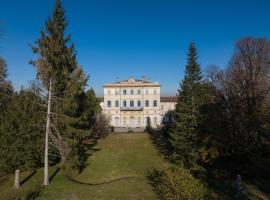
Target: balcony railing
131	108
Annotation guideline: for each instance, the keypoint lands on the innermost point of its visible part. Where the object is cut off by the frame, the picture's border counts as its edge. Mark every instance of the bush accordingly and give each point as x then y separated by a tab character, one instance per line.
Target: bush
176	183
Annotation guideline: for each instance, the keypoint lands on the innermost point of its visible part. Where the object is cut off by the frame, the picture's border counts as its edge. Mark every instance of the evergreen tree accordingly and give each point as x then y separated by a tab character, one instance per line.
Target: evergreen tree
57	64
21	132
92	107
183	132
5	85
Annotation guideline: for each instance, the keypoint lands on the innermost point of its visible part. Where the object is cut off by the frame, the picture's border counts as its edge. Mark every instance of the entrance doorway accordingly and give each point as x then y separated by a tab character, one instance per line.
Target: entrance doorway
132	122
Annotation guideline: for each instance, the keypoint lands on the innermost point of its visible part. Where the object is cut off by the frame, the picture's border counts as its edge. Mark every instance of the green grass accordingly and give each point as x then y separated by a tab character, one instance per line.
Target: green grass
119	155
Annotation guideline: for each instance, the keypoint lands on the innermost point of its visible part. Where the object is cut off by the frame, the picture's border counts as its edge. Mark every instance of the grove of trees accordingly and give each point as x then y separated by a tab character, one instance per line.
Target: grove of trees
74	111
221	123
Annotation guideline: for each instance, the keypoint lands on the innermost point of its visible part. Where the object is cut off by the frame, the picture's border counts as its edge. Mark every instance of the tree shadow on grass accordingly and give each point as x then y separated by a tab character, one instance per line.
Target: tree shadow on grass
54	174
86	150
28	177
160	138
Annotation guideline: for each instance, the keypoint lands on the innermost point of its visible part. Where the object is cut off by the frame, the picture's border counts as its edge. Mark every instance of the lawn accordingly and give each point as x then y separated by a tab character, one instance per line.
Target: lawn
117	170
129	156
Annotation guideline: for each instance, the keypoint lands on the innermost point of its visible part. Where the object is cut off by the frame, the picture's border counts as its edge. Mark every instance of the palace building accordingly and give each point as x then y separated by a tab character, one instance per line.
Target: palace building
133	103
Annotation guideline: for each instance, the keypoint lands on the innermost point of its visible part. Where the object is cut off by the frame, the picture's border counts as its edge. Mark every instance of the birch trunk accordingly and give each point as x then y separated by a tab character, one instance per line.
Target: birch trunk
17	179
46	159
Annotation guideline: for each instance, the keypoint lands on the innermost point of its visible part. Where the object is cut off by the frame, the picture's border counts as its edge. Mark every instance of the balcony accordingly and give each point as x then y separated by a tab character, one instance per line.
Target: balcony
131	108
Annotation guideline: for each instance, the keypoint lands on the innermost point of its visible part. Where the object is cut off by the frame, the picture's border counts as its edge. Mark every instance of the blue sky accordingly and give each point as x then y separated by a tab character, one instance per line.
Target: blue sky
118	39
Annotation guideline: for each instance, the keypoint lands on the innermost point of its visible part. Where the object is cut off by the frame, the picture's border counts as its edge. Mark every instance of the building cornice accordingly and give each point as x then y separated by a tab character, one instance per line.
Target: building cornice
110	85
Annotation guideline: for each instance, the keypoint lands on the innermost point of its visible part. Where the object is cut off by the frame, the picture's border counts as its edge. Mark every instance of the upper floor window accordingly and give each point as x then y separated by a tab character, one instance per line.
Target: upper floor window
155	103
146	103
108	92
131	92
131	103
155	91
146	91
139	103
116	103
138	91
125	92
116	91
109	104
124	103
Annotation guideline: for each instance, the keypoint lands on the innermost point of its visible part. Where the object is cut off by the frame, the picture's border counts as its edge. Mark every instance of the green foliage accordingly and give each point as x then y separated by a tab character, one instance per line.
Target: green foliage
177	183
72	108
184	130
5	85
91	106
21	132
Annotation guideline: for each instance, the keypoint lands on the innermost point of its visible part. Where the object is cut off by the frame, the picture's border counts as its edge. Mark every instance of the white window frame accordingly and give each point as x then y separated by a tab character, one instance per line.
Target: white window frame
131	102
116	103
109	104
139	103
155	103
146	103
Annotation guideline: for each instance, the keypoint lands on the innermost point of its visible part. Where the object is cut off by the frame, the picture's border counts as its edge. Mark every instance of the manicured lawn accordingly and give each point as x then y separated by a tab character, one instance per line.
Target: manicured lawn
129	155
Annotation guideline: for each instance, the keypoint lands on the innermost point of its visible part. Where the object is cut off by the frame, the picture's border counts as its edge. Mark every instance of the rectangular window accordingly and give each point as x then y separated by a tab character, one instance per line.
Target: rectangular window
139	103
155	103
109	104
116	103
138	92
146	103
124	103
124	92
131	103
116	92
146	91
155	91
131	92
108	92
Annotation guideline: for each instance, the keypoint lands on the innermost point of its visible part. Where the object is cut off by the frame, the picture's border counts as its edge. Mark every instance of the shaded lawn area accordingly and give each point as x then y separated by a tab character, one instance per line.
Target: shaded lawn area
119	155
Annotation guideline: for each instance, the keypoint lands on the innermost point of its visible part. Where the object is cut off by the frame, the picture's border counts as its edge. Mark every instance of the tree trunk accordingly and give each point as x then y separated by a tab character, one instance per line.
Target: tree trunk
46	160
17	179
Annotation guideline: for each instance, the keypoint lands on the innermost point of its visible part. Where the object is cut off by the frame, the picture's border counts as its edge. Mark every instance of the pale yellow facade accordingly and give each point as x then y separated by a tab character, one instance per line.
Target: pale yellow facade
132	102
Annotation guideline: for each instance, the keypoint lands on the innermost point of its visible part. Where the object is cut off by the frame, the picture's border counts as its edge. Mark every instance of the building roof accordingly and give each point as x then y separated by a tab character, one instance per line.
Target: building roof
168	99
132	82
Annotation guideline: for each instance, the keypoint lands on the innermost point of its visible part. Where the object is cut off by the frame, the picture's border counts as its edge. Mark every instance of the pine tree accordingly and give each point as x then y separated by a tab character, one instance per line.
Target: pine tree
21	138
65	80
184	131
5	85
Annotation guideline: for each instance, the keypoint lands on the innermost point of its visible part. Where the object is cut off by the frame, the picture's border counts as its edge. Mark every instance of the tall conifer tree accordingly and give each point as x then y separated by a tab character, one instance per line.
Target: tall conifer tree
65	80
183	133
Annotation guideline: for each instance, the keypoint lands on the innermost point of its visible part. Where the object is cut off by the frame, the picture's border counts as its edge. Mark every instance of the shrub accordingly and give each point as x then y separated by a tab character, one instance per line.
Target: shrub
176	183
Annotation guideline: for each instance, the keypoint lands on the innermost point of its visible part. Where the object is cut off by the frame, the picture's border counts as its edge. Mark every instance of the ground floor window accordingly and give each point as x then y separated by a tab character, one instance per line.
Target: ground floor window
155	121
117	121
